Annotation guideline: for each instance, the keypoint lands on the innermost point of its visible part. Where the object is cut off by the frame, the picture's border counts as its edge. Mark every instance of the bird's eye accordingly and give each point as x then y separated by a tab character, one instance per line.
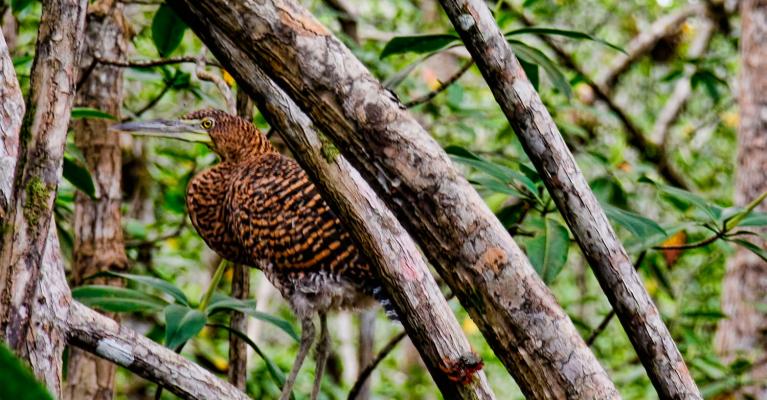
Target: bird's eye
207	123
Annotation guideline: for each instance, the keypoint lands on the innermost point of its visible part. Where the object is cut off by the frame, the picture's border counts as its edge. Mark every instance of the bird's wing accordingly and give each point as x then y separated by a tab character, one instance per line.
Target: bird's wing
277	214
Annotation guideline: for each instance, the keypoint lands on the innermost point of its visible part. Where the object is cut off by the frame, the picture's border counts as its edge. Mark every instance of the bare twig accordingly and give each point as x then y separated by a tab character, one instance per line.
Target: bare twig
442	87
154	63
647	150
644	42
223	88
365	372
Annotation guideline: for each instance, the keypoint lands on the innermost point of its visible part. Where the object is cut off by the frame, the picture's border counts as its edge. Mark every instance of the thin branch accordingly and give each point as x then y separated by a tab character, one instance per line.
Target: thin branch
154	63
606	321
365	372
442	87
223	88
647	150
151	242
105	338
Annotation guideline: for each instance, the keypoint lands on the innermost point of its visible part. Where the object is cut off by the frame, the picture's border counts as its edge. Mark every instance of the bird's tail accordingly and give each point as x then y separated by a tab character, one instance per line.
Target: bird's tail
382	297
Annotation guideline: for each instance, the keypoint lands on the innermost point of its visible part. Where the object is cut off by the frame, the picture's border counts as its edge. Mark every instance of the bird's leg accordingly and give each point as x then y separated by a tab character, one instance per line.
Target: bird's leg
307	337
323	351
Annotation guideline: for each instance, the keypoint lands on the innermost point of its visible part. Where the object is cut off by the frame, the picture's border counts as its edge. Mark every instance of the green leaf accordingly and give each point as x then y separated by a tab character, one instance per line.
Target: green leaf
419	44
738	217
276	374
709	81
686	197
496	186
762	253
713	315
548	251
117	299
222	302
181	324
535	56
78	175
754	219
562	32
500	172
16	380
638	225
167	30
163	286
531	70
19	5
85	112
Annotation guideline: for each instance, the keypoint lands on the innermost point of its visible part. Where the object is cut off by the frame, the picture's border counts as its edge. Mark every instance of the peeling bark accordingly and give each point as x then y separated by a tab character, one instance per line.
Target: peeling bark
38	169
568	187
469	247
98	243
745	284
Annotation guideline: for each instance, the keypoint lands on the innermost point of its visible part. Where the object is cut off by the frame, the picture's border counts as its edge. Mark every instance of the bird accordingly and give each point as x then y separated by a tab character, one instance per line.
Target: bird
258	207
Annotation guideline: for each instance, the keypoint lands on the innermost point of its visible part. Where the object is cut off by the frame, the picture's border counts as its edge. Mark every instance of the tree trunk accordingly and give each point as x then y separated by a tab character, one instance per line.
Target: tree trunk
38	169
745	284
469	247
98	243
566	184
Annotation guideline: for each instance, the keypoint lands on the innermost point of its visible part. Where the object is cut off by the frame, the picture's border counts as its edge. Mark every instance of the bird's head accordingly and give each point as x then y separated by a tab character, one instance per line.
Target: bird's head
232	138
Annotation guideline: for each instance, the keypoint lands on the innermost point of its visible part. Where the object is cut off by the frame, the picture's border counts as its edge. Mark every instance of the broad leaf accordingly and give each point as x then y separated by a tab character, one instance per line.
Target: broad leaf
531	70
16	380
221	302
638	225
19	5
535	56
685	197
754	219
562	32
181	324
156	283
548	251
117	299
79	176
84	112
167	30
419	44
500	172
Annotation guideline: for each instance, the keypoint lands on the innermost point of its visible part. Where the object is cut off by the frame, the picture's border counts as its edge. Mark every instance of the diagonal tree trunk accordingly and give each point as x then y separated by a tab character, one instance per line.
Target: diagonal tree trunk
745	284
98	243
566	184
471	250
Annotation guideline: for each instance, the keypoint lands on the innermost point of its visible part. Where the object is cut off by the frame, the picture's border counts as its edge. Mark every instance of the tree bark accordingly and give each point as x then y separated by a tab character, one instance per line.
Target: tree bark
42	140
745	284
98	243
423	310
469	247
568	187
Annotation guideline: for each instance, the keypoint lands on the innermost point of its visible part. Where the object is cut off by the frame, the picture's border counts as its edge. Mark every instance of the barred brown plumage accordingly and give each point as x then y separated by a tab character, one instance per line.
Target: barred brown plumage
258	207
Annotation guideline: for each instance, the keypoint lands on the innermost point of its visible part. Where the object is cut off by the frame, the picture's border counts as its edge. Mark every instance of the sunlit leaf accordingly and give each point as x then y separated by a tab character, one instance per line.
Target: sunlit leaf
418	44
181	324
167	30
117	299
548	250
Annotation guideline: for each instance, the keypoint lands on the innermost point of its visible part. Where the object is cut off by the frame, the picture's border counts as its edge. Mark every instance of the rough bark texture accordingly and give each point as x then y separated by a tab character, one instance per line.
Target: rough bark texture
568	187
104	337
484	267
745	284
98	233
42	140
45	343
423	310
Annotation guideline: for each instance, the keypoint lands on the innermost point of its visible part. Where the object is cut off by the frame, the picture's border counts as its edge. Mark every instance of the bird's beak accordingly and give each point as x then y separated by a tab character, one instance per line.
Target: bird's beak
186	130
